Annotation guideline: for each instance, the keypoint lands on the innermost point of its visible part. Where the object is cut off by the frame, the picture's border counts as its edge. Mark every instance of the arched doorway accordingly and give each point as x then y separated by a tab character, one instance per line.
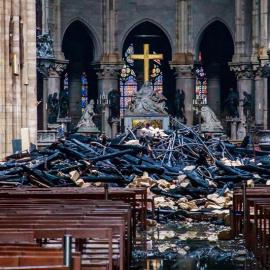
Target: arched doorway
79	78
216	50
161	76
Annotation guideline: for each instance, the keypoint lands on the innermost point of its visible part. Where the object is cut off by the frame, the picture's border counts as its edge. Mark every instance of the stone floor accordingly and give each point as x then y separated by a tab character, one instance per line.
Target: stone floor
189	246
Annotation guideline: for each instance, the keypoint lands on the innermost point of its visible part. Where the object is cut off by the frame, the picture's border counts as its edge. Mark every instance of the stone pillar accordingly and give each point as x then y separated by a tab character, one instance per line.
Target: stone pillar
185	79
213	88
54	80
107	81
115	123
244	76
258	98
266	103
75	97
45	104
233	130
239	52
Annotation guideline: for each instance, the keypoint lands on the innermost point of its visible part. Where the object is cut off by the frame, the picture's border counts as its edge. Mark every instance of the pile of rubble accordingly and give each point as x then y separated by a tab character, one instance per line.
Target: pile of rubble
190	177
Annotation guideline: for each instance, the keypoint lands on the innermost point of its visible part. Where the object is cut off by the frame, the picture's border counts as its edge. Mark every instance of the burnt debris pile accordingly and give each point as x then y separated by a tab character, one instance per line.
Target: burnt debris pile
187	173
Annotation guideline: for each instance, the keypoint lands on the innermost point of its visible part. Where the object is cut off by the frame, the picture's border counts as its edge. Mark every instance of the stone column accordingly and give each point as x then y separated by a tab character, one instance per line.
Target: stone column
185	79
233	130
244	76
213	88
258	97
75	97
107	81
239	52
54	80
115	123
45	104
266	103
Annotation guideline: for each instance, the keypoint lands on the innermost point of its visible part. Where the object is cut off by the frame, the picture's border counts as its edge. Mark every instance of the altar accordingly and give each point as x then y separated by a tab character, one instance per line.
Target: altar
157	121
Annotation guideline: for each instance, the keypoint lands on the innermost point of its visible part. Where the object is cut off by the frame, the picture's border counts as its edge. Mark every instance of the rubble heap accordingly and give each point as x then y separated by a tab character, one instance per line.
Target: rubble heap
190	177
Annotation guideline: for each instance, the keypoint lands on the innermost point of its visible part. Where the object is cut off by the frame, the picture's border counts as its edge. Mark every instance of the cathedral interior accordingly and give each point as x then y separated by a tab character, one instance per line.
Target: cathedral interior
102	70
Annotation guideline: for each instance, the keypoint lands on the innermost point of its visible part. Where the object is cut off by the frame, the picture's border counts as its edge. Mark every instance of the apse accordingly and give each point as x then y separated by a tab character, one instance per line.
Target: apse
216	49
149	33
79	78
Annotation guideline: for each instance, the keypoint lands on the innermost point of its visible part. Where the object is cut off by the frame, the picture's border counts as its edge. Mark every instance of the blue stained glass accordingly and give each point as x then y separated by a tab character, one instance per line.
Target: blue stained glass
128	84
201	84
84	91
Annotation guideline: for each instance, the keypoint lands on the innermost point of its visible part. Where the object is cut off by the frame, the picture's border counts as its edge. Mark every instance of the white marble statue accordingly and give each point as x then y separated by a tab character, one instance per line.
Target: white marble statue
86	120
147	102
210	119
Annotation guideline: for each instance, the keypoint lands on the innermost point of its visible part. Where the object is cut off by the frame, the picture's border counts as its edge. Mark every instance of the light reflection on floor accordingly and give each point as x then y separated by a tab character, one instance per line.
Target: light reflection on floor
152	252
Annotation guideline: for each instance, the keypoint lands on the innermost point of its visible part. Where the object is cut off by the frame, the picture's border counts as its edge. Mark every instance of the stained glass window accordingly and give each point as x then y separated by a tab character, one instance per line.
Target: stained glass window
201	85
84	89
157	77
66	81
128	83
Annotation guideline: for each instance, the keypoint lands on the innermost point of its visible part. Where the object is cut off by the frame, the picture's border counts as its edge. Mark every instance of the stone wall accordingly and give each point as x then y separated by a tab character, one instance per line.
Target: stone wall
17	72
204	12
88	12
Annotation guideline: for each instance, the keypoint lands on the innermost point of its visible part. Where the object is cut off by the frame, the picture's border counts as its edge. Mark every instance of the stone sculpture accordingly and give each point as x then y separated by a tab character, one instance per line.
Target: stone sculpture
63	103
114	99
247	103
45	46
232	103
179	103
147	102
53	106
86	120
210	120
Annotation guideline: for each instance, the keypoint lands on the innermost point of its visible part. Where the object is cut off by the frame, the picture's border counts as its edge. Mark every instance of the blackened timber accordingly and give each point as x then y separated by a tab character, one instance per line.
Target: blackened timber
150	169
39	175
109	156
129	158
196	180
46	160
71	153
227	169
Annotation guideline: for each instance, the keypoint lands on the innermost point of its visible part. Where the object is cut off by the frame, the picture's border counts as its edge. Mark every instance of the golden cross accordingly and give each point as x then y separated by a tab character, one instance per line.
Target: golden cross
146	57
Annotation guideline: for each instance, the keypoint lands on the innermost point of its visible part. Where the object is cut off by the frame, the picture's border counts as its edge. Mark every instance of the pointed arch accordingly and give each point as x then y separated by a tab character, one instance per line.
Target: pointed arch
201	33
130	28
91	33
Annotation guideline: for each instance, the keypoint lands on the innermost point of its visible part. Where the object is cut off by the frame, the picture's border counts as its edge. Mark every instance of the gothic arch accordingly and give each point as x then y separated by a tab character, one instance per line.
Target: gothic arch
201	33
91	33
130	28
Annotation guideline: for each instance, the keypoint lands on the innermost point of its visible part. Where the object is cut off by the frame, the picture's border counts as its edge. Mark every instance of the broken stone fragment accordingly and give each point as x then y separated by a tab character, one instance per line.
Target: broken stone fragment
226	234
80	182
163	184
151	222
227	220
133	142
162	248
182	177
212	238
74	175
241	253
250	183
189	168
182	252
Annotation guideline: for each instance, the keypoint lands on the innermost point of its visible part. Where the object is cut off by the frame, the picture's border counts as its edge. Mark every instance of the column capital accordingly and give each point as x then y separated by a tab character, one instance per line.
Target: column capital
183	70
57	69
107	71
242	70
257	71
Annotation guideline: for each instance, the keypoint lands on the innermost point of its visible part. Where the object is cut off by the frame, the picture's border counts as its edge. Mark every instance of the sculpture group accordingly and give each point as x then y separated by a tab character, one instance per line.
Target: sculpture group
147	102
